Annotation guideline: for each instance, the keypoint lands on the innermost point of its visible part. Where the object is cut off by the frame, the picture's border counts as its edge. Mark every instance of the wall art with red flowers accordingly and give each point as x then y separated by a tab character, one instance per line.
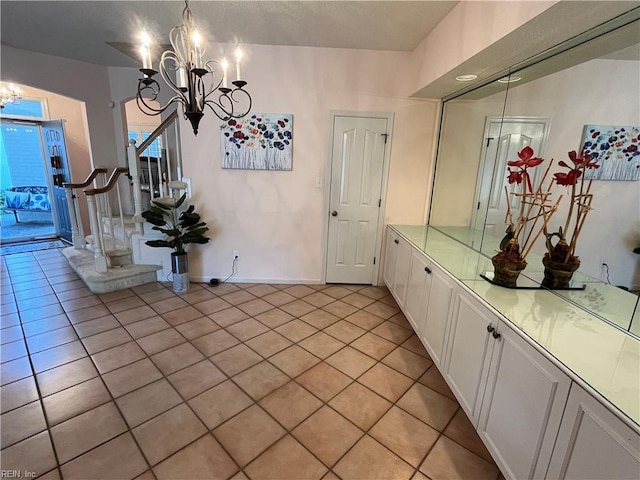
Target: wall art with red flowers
258	141
615	149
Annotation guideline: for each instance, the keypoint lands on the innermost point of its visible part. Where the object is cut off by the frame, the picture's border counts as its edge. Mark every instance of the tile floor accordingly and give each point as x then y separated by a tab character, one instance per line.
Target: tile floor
237	381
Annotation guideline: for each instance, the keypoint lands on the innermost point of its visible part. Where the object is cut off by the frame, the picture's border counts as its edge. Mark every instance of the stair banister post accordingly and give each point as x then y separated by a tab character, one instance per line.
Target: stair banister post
134	172
98	252
75	234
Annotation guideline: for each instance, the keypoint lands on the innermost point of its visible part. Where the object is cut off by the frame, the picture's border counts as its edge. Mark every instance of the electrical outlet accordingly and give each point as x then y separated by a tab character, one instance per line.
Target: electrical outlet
236	254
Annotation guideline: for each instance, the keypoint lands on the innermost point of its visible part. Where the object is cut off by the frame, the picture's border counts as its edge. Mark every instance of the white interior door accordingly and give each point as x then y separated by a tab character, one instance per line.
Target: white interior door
357	164
504	138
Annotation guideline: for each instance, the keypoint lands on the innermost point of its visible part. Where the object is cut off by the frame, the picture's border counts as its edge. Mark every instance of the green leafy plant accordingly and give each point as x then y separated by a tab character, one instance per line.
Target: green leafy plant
180	227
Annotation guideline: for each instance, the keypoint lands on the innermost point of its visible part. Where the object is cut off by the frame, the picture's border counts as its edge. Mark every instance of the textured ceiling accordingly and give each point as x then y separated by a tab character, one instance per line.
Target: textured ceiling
81	29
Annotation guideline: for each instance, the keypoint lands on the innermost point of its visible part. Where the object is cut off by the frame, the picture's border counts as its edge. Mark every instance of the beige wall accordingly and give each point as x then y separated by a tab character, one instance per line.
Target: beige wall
276	220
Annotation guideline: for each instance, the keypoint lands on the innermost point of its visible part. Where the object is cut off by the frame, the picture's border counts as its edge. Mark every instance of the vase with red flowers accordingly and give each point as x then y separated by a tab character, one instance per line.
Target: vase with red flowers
560	261
532	204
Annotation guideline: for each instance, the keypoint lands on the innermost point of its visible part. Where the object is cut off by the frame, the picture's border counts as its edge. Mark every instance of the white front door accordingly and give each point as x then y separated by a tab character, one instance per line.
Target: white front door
504	138
357	163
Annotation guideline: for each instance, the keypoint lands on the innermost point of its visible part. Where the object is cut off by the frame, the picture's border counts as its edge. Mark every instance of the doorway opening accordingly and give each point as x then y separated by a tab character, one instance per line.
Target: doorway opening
24	188
36	160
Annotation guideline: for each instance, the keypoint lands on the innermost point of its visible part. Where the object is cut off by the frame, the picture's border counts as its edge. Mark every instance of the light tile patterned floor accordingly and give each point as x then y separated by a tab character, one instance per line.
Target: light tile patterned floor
237	381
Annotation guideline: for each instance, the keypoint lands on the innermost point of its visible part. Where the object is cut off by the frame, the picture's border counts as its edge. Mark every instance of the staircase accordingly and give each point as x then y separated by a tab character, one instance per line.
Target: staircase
113	256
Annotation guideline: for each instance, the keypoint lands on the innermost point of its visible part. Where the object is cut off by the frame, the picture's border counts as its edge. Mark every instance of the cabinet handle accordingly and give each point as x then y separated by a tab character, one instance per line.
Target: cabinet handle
428	270
490	328
496	334
396	241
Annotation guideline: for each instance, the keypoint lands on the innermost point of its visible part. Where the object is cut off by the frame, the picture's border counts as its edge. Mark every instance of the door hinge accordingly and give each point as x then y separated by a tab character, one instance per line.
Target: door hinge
374	260
385	135
478	208
379	202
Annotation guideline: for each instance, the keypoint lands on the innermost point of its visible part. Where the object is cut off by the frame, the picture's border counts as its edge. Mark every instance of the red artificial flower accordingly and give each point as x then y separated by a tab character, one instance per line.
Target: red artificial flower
526	159
583	160
567	179
515	177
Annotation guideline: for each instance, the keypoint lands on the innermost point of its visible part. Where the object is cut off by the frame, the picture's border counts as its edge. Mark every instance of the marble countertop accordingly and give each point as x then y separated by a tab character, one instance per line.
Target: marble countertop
600	354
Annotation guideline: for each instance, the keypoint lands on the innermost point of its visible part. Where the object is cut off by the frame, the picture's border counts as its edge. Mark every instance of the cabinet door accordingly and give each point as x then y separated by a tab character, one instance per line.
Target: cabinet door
401	277
593	443
522	406
390	254
417	290
434	332
469	353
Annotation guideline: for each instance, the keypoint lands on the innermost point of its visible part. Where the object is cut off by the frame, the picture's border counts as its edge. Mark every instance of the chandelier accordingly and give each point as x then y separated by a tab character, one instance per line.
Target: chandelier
9	94
196	83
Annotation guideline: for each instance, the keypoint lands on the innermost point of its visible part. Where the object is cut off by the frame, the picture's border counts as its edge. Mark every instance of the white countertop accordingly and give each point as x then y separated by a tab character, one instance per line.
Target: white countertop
603	356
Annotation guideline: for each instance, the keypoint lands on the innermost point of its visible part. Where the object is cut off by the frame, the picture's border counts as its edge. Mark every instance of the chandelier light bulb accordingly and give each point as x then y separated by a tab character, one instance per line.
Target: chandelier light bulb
238	54
197	41
225	66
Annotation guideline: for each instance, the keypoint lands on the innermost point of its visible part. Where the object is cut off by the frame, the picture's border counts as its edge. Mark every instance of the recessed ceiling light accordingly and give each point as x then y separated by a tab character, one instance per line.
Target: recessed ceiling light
466	78
509	79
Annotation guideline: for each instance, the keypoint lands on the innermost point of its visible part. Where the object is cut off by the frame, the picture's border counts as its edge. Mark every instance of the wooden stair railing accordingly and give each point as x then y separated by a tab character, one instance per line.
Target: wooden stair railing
77	229
96	214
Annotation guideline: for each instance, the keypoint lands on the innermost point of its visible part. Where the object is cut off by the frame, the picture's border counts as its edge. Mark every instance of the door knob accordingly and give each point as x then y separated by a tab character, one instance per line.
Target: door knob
496	334
396	241
490	328
428	270
334	214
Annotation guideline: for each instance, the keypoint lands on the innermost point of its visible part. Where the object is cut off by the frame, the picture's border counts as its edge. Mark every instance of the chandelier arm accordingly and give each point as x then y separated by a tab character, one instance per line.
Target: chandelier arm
164	66
248	98
215	107
150	85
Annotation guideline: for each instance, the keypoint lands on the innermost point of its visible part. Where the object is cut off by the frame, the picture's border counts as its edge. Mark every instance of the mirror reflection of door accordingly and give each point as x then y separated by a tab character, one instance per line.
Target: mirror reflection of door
503	139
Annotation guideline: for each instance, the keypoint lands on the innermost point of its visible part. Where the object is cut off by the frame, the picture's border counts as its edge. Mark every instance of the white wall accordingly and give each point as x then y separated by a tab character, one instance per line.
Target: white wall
82	81
276	220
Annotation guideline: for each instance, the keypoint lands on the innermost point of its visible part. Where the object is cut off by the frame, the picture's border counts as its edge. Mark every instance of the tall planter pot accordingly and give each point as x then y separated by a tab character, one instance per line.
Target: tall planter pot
180	271
506	271
558	275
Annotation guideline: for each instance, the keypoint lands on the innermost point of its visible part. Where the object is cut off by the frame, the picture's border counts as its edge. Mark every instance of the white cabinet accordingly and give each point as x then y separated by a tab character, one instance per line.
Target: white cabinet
390	254
522	406
512	394
396	268
436	317
593	443
469	353
515	394
418	287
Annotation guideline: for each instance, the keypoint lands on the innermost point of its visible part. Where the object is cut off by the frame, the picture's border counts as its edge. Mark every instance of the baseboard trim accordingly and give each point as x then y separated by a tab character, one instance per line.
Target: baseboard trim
284	281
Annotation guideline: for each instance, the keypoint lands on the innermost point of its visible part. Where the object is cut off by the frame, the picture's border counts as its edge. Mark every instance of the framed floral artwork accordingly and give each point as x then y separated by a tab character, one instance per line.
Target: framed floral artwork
259	141
615	149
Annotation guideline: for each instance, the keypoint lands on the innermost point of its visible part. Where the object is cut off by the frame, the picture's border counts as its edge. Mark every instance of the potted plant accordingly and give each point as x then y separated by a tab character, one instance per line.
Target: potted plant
533	206
181	226
560	261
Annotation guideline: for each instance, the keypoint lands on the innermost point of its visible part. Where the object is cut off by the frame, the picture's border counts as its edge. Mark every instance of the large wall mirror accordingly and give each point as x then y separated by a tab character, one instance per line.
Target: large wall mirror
547	105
